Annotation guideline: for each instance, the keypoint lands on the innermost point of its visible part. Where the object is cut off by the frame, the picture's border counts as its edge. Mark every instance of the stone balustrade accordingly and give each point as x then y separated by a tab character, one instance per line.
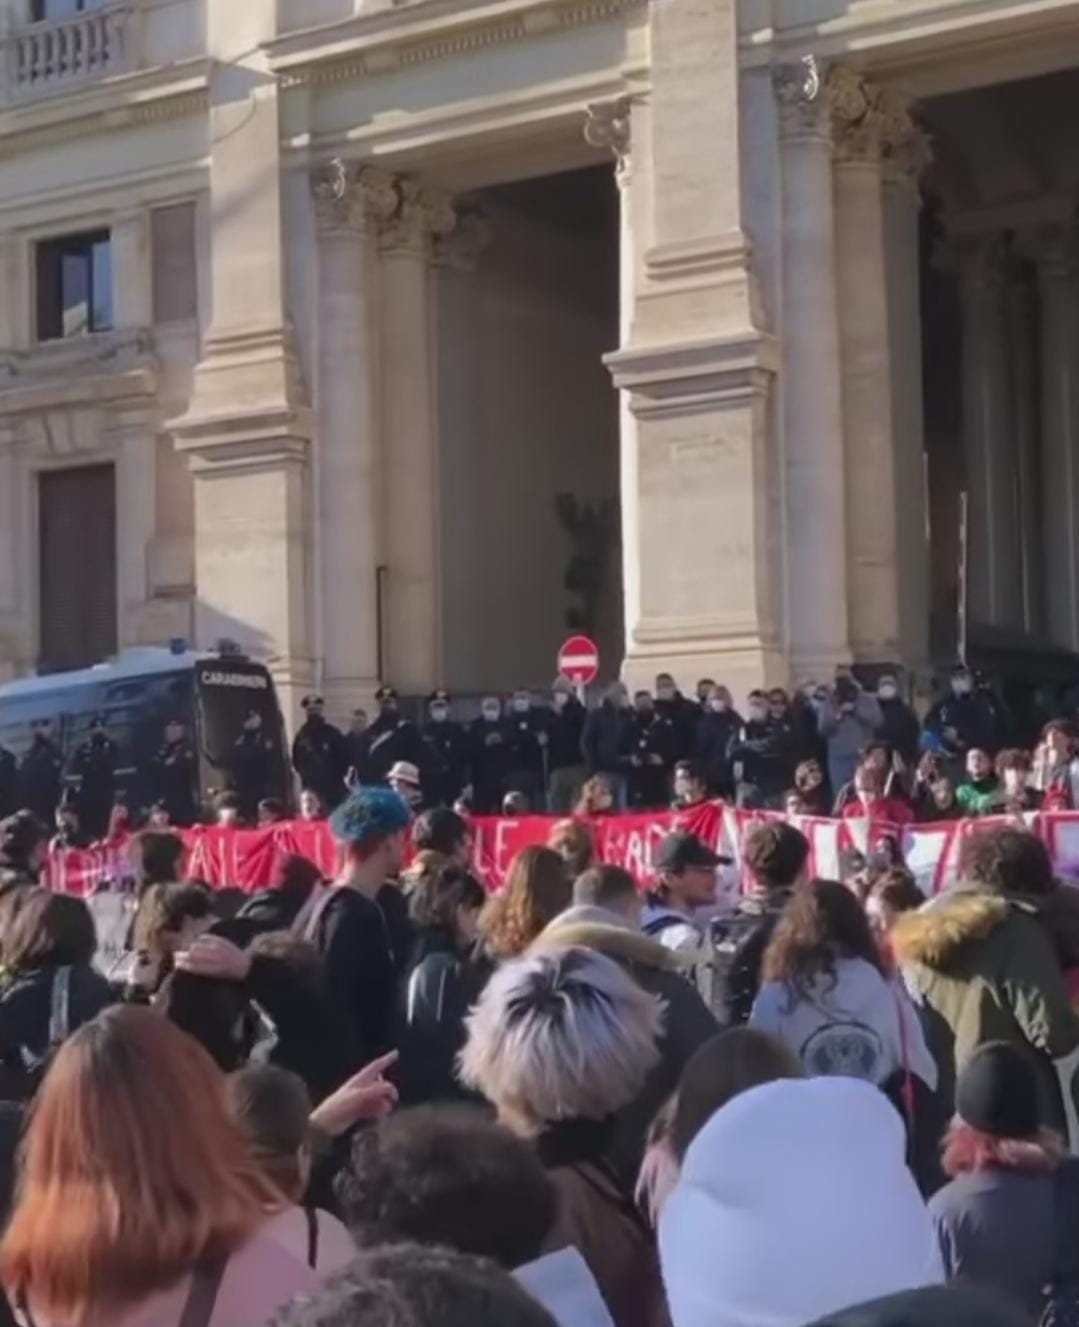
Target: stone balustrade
41	59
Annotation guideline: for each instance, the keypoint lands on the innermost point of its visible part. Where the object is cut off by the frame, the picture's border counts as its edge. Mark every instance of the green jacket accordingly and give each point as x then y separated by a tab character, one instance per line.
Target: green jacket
978	799
986	969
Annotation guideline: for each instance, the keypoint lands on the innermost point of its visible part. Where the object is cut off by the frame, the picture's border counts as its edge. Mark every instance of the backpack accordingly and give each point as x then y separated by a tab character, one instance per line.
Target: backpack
1061	1308
22	1070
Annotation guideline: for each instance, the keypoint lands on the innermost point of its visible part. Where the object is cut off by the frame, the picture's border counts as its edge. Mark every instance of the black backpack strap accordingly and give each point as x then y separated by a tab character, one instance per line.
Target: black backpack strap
202	1297
312	1236
1066	1222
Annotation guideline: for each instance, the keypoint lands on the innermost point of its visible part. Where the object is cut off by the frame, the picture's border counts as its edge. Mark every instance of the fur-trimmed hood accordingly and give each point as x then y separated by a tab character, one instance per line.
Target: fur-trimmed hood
936	934
596	928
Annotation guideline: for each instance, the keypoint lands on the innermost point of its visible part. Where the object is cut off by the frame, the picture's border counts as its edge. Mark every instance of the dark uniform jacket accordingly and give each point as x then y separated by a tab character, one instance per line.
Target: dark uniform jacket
445	762
173	778
388	740
320	757
40	778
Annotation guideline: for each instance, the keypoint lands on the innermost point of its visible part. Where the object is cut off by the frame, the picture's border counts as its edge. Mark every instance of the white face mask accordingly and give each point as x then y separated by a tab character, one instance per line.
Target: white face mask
560	700
962	686
522	705
758	712
718	705
491	712
887	691
440	713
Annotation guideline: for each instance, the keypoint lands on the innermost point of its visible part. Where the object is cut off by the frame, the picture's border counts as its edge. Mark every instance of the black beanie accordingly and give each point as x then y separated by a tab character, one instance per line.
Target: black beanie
998	1092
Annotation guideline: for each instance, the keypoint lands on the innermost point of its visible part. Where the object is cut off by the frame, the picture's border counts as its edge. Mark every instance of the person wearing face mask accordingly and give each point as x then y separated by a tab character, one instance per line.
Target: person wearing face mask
40	772
446	752
355	745
607	741
174	774
764	753
251	765
320	754
681	711
706	688
389	739
899	724
527	741
566	772
962	719
651	755
848	721
716	730
488	748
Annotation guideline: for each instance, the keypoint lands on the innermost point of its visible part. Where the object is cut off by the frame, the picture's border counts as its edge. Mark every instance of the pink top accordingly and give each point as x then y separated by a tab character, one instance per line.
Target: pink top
270	1270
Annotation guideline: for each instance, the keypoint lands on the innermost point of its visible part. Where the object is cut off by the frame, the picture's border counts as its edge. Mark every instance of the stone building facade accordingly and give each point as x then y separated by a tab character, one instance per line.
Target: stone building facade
395	339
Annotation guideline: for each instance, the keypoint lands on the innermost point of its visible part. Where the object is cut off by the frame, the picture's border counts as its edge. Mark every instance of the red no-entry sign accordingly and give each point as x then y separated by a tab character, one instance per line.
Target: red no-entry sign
578	660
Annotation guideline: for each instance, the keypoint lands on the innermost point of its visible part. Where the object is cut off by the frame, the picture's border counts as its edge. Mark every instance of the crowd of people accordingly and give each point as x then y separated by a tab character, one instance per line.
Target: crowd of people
828	750
394	1098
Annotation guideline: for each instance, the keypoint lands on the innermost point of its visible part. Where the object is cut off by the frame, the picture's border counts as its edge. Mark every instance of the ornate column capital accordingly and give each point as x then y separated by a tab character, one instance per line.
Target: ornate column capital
608	124
907	151
804	110
347	197
459	250
422	214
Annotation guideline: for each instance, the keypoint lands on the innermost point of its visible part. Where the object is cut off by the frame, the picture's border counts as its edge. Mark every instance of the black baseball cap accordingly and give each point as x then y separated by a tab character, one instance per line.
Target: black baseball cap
680	851
385	693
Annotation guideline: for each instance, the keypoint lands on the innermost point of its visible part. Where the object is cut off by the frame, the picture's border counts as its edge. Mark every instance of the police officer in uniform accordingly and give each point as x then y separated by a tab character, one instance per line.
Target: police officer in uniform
487	740
445	752
251	766
389	739
652	751
320	754
93	775
40	773
173	772
528	738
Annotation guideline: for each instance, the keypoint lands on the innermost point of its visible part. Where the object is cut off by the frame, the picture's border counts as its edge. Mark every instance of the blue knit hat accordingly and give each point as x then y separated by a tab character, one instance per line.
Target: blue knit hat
369	812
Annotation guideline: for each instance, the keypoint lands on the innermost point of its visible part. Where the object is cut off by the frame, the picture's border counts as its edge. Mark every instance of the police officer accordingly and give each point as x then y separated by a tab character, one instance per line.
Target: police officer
9	784
93	775
445	752
356	743
173	772
653	749
40	773
252	766
528	737
320	754
389	739
487	746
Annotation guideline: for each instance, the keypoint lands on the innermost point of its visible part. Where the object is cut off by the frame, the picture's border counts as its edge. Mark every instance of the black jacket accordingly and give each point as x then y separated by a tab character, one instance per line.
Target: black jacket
26	1019
445	762
652	735
971	717
9	784
488	757
320	757
712	747
688	1024
388	740
527	738
565	730
768	752
438	988
251	771
900	729
607	739
39	779
740	953
173	778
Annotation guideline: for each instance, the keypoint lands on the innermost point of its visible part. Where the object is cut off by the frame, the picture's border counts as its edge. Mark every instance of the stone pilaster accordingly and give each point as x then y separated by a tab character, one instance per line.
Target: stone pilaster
698	372
810	102
349	206
1024	363
905	156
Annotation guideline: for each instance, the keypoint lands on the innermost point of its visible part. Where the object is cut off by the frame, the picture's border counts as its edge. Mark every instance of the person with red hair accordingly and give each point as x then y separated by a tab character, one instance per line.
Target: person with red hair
138	1202
1011	1192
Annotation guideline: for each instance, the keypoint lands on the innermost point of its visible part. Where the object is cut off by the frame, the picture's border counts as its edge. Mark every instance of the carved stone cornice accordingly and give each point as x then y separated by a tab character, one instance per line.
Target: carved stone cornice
608	125
421	215
804	107
348	197
459	251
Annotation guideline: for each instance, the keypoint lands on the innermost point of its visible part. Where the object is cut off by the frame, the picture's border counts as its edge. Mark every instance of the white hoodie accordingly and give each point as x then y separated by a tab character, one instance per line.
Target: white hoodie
794	1201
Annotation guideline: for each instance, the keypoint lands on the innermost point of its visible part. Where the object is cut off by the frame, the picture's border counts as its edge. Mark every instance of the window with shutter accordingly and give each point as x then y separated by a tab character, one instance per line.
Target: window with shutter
77	538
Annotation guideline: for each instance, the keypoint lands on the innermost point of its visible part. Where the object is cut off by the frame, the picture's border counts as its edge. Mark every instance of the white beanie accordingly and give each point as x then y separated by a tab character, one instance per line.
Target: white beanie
794	1201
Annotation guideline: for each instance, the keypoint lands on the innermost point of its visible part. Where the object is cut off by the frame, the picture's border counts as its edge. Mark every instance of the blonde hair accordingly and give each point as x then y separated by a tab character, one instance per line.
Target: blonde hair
560	1036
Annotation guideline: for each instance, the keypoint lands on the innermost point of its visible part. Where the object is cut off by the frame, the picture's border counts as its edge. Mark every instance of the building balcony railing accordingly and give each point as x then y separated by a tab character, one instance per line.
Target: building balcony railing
41	59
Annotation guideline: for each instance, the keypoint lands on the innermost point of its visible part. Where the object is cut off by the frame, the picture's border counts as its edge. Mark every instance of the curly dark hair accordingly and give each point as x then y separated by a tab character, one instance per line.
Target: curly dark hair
435	899
823	922
1004	860
448	1175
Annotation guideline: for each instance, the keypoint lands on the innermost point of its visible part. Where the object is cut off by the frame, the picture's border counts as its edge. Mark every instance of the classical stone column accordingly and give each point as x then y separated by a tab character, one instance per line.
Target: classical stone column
348	204
906	155
133	434
817	620
460	443
865	354
994	569
1024	365
608	125
1058	291
414	597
